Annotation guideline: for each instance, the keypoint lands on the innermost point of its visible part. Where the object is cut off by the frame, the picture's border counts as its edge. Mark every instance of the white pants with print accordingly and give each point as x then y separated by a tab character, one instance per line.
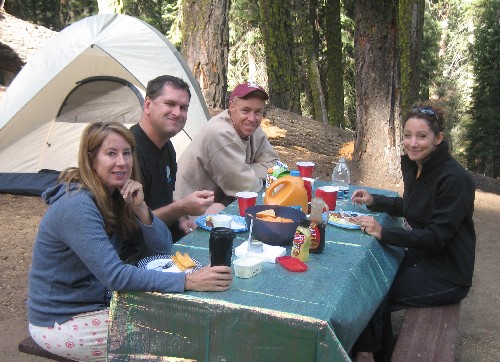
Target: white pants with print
82	338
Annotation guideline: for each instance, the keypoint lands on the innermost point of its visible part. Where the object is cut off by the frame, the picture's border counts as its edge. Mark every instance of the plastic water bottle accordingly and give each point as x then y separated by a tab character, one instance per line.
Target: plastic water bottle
341	177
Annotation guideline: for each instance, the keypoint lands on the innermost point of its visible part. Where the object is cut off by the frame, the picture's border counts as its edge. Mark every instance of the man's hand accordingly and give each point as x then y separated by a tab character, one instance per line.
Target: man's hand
197	202
213	278
187	224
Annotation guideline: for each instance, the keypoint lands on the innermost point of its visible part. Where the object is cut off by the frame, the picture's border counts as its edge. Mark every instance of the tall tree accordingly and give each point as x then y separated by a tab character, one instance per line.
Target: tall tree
306	16
333	35
483	133
410	30
276	24
246	50
430	63
205	46
378	121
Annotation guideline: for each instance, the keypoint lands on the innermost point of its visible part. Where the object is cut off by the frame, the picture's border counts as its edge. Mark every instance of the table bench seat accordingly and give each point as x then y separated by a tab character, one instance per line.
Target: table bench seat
29	346
428	334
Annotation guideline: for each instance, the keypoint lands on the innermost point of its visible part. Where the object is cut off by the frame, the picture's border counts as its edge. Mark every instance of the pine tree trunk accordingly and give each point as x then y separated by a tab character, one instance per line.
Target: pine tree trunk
411	33
377	148
335	69
306	13
205	46
276	25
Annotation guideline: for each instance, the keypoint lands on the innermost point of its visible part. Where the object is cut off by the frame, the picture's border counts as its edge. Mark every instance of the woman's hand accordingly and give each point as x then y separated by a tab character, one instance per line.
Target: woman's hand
362	196
211	278
132	193
134	197
370	226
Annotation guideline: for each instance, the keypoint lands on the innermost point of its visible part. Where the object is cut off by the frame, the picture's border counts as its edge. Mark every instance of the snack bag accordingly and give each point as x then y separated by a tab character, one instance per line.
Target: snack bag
273	173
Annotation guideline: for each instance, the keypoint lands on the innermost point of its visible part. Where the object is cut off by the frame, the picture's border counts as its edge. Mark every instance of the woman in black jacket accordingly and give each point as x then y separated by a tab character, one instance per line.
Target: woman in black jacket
439	238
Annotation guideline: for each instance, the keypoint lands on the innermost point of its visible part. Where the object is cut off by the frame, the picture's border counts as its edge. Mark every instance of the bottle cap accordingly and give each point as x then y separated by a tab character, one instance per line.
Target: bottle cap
304	222
294	173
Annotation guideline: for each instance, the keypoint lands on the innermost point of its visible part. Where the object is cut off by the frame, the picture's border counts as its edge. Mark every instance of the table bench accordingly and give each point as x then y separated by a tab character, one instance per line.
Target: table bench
29	346
428	334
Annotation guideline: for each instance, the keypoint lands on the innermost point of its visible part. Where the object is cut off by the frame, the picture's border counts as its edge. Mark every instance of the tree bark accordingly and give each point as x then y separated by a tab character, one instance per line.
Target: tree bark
306	15
335	69
411	33
205	46
377	147
276	24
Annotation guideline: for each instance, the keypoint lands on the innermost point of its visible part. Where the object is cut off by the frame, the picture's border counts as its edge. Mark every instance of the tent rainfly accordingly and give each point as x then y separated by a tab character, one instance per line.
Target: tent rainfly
96	69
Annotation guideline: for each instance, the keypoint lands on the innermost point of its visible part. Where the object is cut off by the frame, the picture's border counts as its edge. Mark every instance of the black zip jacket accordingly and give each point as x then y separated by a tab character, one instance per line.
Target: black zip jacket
438	205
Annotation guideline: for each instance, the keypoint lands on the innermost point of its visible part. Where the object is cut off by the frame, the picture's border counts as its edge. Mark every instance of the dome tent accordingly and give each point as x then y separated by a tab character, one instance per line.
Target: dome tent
96	69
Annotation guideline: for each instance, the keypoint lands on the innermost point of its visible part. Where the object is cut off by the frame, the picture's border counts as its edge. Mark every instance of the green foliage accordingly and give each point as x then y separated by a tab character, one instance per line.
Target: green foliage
246	45
483	130
52	14
431	62
160	14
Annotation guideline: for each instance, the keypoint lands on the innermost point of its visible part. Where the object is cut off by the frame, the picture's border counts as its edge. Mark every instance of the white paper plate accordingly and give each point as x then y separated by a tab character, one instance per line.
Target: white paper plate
238	223
163	263
344	223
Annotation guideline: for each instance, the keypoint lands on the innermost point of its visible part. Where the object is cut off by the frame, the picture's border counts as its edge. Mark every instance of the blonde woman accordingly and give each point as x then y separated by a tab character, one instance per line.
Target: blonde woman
76	262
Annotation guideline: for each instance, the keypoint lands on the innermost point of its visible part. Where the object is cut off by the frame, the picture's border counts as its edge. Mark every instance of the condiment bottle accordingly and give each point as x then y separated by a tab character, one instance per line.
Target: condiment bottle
302	241
318	227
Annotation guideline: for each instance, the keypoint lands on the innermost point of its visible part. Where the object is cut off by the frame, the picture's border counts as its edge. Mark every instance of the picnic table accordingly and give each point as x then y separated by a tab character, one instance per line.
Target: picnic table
280	315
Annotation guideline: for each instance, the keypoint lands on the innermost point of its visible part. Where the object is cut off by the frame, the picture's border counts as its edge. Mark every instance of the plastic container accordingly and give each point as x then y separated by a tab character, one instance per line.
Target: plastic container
292	264
247	267
287	191
301	241
341	177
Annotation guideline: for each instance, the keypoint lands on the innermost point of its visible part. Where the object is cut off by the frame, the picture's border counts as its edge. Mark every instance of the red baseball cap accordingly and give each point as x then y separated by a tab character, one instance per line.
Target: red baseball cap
244	89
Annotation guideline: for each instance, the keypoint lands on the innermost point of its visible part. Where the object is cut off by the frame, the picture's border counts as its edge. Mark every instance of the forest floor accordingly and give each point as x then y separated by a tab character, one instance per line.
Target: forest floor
295	138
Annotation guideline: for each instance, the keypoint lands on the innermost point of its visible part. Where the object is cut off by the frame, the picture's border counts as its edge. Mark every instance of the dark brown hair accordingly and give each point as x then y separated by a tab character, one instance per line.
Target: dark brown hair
429	111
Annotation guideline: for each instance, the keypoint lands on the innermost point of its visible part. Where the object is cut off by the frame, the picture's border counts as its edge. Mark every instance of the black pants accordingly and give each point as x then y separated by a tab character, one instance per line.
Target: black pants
413	286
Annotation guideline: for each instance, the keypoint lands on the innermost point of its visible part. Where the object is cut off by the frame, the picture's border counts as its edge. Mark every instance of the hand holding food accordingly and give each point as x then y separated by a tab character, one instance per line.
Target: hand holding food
362	196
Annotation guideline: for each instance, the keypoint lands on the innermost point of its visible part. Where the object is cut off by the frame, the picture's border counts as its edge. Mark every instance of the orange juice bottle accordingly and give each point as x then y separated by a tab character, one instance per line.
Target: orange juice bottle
287	191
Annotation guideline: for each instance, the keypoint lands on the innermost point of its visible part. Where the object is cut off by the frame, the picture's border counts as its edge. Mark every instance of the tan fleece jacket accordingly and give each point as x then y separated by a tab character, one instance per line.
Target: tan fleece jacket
218	159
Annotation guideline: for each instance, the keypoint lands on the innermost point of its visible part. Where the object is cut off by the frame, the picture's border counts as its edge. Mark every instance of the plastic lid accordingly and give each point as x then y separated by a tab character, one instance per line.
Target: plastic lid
294	173
292	264
304	222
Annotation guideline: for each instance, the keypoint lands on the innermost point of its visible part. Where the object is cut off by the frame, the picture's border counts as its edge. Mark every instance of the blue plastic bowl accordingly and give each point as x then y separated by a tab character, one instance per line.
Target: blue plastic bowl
274	233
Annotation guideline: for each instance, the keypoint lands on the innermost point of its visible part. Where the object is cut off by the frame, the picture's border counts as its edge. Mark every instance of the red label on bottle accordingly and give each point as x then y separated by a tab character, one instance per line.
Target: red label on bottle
315	235
298	241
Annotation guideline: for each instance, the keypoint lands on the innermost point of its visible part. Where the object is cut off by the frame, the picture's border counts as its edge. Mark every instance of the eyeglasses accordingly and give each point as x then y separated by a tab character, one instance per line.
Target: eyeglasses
425	110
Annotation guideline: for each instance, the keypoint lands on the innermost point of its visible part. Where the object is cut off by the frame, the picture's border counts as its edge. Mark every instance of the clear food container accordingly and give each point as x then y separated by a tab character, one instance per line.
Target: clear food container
247	267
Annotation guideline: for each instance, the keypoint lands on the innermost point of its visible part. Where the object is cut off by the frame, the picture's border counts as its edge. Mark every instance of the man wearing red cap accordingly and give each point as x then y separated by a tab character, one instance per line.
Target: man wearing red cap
231	153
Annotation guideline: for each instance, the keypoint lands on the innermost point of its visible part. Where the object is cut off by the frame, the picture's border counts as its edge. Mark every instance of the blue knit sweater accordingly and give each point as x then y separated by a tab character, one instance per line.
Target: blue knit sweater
75	264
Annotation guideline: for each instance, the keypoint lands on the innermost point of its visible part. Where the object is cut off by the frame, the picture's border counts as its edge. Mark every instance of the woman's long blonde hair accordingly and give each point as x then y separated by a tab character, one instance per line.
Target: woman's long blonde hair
117	215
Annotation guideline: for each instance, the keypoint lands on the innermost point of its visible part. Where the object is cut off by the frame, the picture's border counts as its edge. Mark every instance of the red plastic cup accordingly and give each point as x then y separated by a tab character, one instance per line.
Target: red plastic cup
246	199
308	182
305	168
329	195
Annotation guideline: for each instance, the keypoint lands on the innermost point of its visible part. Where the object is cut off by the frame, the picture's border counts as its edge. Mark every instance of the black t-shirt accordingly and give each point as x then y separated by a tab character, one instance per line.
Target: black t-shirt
158	172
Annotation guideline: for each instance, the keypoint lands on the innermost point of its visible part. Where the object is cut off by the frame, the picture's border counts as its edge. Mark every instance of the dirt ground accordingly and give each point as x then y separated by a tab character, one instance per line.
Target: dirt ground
295	138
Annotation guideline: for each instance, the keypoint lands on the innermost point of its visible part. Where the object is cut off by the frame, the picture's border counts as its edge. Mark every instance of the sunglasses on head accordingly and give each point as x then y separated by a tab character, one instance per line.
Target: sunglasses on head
425	110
